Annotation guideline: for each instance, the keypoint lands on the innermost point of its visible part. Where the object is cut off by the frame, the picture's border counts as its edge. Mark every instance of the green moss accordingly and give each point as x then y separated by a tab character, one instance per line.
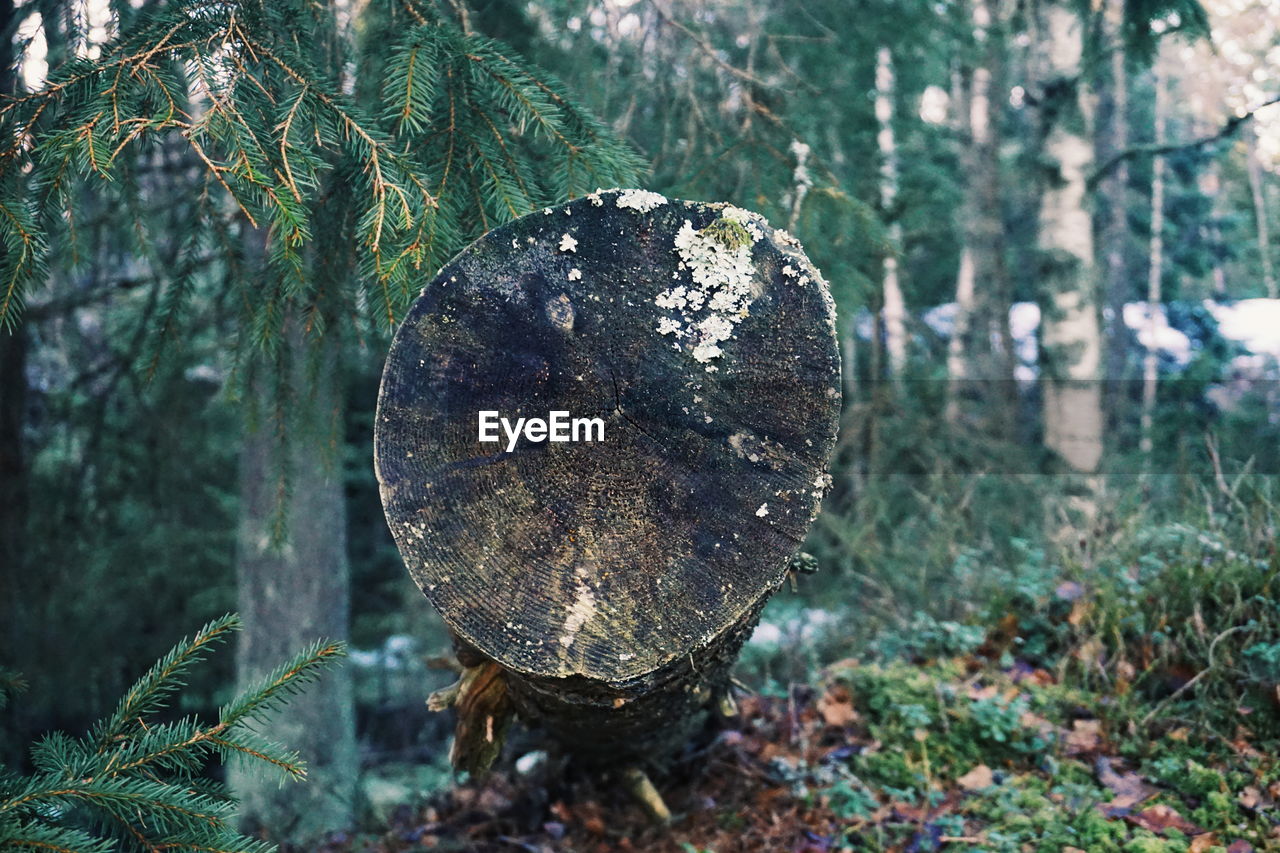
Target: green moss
1145	842
730	234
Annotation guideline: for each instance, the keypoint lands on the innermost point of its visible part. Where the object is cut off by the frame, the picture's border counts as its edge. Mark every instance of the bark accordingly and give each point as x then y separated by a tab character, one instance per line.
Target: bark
13	471
293	587
612	581
980	355
1260	209
895	308
1111	87
1210	184
1070	337
16	577
14	484
292	571
1155	272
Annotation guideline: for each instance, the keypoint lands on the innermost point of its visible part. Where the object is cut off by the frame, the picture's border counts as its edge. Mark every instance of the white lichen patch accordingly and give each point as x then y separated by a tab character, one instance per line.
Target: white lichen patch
762	511
575	274
718	261
568	244
715	328
583	608
667	326
823	482
786	238
705	351
746	219
676	299
641	200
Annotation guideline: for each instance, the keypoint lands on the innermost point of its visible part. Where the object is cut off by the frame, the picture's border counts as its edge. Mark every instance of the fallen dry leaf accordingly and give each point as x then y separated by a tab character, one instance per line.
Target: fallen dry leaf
1129	788
1240	846
1043	677
1032	720
836	707
1203	842
1160	818
1245	749
976	779
1085	736
1252	798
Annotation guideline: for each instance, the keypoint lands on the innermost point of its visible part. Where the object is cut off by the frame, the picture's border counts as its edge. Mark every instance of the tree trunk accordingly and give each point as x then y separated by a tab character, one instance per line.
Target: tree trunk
1111	85
1210	184
1070	337
293	586
1256	189
895	306
602	588
13	458
980	351
293	575
13	471
1155	272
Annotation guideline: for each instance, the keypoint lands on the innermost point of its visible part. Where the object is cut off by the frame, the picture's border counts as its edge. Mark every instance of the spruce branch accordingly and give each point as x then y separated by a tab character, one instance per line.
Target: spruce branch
287	680
140	778
230	83
149	692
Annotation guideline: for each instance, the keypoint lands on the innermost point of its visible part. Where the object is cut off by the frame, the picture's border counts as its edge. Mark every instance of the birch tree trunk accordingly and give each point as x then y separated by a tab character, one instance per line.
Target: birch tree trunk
1070	337
895	306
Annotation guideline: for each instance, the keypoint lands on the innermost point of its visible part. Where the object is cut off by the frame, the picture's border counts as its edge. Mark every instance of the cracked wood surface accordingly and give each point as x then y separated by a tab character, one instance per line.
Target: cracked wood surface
614	559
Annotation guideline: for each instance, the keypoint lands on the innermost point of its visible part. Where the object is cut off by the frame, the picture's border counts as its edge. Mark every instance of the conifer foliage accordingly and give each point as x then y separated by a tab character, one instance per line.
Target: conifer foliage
136	782
465	136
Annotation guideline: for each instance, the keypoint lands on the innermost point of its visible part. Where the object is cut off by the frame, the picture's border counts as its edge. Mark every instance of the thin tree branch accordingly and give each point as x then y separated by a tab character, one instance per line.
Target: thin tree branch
707	48
1227	130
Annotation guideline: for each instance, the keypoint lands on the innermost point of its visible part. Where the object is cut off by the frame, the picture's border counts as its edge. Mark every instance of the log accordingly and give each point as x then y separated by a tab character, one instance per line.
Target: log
613	578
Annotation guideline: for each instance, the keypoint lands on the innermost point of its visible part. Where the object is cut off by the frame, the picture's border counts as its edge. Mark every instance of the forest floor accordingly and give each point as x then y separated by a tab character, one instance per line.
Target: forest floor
946	754
1123	699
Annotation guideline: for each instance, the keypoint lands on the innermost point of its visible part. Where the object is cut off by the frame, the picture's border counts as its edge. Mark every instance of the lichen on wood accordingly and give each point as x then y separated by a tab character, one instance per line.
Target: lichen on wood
608	577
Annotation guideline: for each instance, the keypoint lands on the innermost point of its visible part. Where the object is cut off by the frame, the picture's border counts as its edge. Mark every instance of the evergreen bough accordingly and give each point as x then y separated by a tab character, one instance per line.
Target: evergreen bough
438	139
136	783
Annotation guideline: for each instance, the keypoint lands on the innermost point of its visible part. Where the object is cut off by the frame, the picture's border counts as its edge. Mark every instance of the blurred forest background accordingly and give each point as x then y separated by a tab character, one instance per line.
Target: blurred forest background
1047	227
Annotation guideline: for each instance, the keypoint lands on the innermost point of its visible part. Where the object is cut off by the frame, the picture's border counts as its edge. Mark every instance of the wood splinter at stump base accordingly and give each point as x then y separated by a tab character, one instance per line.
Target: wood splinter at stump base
611	579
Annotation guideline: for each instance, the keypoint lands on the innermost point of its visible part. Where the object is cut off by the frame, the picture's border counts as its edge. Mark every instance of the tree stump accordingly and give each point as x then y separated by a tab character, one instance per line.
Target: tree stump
613	581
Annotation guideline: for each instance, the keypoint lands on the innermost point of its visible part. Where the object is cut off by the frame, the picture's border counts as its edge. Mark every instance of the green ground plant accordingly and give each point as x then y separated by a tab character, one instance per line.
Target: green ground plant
137	780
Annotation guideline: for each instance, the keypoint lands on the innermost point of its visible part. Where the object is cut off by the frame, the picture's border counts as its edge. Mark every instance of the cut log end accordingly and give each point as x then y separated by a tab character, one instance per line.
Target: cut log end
700	341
